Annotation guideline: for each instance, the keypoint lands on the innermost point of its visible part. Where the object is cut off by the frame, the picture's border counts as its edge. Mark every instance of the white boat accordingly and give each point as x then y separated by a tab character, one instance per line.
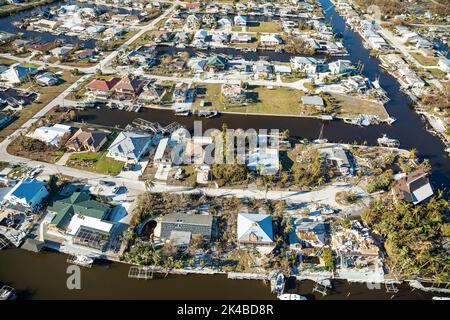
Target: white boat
385	141
183	113
390	120
440	298
279	283
81	260
7	293
291	296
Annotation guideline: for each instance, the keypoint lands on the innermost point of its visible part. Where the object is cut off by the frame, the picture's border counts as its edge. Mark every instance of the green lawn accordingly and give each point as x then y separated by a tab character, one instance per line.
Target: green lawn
425	61
95	162
437	73
272	27
279	100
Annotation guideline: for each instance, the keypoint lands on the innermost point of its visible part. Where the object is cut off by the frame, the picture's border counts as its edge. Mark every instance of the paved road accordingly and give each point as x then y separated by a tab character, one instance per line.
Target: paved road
325	196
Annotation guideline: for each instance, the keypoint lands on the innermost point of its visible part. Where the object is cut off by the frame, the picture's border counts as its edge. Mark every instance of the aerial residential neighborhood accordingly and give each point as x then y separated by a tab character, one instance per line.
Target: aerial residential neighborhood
289	149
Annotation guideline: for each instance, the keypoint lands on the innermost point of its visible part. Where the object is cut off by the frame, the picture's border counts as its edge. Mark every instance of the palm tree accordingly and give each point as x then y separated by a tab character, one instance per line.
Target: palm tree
149	184
412	154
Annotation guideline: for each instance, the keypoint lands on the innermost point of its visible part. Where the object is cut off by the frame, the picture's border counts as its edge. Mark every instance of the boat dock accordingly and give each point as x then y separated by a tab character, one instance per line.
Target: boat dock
153	127
140	273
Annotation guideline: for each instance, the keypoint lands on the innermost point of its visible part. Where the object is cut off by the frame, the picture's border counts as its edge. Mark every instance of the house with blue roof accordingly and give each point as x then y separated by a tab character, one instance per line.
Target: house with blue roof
17	74
27	194
255	230
130	147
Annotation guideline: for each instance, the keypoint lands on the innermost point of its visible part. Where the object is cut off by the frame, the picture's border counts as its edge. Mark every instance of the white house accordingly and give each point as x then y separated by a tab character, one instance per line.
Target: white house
130	147
16	74
255	229
270	40
47	79
444	64
340	66
27	194
304	64
224	23
240	21
266	160
51	135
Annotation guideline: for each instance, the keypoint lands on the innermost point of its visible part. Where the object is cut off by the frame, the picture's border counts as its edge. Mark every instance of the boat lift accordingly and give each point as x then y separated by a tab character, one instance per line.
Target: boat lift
322	286
390	287
140	273
3	242
155	127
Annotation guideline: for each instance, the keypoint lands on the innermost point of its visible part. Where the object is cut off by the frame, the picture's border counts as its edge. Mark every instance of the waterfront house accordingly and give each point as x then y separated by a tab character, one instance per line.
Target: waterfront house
27	195
114	32
192	23
208	19
270	40
357	83
62	51
128	88
86	140
263	69
182	93
224	23
340	66
307	233
240	21
16	74
152	93
233	93
307	65
255	229
47	79
45	24
101	88
264	160
216	63
192	224
130	147
314	101
83	218
237	38
219	39
163	153
339	158
5	119
85	54
42	47
51	135
444	64
415	187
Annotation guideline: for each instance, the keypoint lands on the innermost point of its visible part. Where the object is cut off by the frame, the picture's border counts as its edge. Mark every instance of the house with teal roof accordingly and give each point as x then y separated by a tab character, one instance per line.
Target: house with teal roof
82	217
216	62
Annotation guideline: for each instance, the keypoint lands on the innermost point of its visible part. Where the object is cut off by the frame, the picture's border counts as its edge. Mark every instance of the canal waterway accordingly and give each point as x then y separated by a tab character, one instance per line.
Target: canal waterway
6	23
43	276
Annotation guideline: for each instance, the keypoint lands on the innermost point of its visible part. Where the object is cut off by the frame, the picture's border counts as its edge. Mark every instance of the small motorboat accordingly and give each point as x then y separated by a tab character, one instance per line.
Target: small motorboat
291	296
81	260
279	283
385	141
7	293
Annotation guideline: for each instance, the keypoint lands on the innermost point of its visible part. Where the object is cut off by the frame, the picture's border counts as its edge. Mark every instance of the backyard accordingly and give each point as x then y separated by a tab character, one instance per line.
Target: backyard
262	100
95	162
46	94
